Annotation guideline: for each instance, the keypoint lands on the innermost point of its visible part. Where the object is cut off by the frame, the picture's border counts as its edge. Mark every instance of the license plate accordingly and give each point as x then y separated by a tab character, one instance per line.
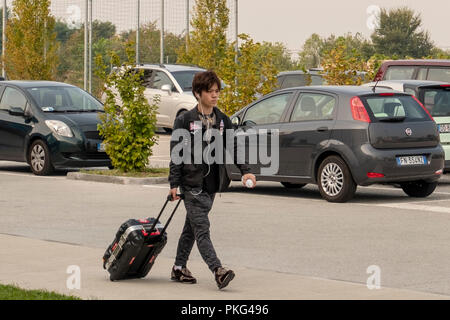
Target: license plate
411	160
444	128
100	147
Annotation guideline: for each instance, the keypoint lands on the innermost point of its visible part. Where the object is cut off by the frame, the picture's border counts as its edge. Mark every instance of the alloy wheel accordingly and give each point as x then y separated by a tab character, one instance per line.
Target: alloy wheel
332	179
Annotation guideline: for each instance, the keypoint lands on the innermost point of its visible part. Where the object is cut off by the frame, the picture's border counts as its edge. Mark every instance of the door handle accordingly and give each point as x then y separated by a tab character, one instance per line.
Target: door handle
322	129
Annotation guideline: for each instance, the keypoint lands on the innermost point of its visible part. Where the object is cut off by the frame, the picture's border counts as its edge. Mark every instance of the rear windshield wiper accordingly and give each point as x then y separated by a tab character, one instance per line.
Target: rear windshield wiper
392	119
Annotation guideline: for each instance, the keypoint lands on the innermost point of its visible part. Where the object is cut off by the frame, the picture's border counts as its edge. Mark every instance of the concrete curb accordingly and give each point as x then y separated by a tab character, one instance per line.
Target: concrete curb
115	179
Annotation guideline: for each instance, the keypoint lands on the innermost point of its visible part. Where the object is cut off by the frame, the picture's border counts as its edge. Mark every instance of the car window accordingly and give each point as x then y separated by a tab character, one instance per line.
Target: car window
184	78
59	99
317	80
437	101
147	78
268	110
399	73
296	80
12	98
313	106
280	81
385	108
439	74
160	79
422	75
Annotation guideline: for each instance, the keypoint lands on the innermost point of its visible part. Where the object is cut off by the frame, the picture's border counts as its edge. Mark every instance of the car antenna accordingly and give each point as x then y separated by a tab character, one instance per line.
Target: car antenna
375	86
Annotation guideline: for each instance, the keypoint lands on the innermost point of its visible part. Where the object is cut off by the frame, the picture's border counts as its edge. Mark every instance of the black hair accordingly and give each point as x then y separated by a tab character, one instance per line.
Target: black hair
203	81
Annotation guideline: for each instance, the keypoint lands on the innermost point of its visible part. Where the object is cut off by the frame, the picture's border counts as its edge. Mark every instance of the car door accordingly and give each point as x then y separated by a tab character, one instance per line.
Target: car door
264	114
169	98
311	120
13	128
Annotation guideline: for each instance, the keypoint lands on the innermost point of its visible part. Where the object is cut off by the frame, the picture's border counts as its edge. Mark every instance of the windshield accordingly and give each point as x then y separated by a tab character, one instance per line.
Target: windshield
184	78
396	108
64	99
437	101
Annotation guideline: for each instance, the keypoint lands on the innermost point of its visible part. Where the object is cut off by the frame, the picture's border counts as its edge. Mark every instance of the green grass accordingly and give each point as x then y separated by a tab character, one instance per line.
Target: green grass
10	292
146	173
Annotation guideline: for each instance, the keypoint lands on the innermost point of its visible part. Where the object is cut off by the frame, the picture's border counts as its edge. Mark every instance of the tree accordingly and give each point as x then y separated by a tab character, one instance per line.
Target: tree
316	47
311	54
31	47
71	52
398	34
252	76
281	57
340	68
128	128
150	42
207	42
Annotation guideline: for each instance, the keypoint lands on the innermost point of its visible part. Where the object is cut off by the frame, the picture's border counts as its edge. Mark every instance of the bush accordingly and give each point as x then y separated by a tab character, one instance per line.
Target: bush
129	122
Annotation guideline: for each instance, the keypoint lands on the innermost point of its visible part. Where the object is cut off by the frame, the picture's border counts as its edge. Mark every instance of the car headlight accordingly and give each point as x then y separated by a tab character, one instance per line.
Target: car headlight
59	128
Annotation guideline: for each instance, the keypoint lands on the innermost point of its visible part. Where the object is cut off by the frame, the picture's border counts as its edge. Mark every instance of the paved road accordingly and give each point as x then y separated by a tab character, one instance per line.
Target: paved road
269	228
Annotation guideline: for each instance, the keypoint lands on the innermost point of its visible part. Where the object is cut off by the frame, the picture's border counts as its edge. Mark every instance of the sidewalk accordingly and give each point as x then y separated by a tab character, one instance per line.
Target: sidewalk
38	264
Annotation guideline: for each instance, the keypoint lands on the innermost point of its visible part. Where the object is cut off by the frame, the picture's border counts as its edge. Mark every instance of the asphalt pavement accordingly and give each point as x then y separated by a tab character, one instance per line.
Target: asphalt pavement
282	244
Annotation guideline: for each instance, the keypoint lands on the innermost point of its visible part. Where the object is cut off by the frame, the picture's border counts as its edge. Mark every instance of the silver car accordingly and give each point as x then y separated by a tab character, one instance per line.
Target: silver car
173	83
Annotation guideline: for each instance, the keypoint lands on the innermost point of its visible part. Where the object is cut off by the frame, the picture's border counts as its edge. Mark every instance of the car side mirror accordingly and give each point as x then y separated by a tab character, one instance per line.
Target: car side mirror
249	123
14	111
167	88
235	122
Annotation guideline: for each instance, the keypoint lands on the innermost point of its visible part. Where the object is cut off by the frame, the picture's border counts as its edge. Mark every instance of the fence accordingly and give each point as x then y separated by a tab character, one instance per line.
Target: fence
111	18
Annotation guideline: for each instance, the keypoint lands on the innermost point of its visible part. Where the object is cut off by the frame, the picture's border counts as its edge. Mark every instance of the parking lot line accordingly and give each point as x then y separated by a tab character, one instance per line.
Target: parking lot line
411	206
152	186
31	175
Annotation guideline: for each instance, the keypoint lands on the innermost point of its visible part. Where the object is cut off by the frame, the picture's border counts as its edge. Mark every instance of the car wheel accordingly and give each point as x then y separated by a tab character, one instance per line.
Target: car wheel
335	181
419	189
293	185
39	158
182	111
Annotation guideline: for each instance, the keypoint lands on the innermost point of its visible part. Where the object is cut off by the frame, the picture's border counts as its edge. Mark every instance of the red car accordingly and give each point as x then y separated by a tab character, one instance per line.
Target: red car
437	70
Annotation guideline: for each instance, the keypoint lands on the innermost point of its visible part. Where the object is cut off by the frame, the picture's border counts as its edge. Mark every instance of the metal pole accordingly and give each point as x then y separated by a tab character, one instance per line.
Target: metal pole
236	30
161	59
90	46
86	46
187	25
236	46
137	30
4	38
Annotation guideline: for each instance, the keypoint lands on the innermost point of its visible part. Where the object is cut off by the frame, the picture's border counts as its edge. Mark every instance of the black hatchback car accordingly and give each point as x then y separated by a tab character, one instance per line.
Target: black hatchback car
339	137
50	125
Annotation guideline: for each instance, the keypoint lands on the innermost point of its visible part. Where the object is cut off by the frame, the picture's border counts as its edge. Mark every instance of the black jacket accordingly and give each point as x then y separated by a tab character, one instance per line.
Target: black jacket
191	175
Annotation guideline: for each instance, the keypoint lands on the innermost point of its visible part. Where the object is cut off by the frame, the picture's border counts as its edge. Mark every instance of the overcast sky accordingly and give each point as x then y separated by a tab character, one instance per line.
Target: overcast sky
288	21
293	21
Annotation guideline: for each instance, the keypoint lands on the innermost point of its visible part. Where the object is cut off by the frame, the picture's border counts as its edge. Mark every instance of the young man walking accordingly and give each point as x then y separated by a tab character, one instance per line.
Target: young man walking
199	182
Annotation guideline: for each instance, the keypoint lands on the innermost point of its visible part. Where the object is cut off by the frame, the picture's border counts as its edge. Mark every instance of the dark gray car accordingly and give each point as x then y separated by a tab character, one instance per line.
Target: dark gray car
339	137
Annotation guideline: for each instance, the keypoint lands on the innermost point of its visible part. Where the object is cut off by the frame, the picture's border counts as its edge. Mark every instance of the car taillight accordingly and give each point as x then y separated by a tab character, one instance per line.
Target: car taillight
423	107
359	112
389	94
445	85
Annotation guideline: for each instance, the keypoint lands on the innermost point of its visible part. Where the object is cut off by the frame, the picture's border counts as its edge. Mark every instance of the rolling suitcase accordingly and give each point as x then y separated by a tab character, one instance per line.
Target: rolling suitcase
136	246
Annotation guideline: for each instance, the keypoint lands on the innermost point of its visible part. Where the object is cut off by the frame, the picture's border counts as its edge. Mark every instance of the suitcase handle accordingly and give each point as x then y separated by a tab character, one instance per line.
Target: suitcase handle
169	198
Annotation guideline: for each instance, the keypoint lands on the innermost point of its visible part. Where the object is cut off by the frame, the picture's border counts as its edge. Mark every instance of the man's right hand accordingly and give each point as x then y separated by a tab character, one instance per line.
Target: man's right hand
173	194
